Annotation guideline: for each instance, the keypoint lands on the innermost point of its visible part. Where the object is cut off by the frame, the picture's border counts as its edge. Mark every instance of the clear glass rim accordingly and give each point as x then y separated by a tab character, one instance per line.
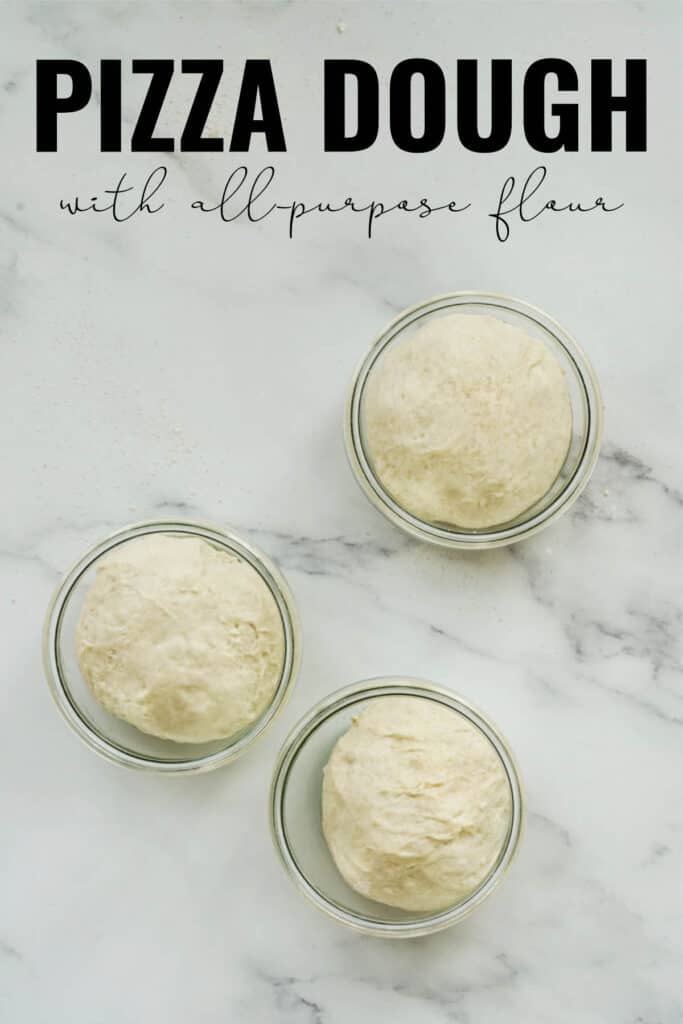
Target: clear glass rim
494	537
55	675
329	706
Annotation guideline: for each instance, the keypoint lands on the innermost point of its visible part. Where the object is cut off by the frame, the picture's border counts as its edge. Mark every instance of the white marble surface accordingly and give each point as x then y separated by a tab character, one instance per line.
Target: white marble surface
178	365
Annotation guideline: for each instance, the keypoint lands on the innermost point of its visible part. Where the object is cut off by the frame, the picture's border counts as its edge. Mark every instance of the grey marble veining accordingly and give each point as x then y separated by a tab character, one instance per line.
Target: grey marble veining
175	366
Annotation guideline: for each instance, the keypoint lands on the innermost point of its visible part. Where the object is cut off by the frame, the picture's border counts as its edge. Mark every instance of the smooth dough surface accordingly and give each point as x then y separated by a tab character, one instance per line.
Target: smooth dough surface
415	804
467	422
179	638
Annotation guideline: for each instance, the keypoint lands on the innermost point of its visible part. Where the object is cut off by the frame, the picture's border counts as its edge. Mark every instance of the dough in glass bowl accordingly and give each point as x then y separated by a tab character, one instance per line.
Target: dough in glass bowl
180	638
467	421
416	804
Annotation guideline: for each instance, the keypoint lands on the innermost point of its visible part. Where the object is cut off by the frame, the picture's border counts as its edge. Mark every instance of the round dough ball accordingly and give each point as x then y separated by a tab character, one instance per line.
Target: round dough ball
181	639
416	804
468	421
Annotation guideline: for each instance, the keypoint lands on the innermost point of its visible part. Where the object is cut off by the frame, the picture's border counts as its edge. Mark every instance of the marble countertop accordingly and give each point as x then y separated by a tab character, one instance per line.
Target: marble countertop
177	365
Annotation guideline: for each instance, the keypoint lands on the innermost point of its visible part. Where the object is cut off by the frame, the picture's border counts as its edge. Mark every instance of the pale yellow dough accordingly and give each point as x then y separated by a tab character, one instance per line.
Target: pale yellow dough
468	421
415	804
181	639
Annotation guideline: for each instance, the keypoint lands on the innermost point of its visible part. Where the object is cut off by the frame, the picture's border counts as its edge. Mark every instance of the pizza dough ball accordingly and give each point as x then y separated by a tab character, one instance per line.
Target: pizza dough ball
181	639
416	804
468	421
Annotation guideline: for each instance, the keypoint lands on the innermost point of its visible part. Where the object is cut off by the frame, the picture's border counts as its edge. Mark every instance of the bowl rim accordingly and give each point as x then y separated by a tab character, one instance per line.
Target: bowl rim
55	676
338	701
464	539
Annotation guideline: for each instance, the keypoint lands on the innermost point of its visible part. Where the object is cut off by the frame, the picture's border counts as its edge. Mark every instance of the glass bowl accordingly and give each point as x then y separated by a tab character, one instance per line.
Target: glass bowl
586	405
295	812
110	736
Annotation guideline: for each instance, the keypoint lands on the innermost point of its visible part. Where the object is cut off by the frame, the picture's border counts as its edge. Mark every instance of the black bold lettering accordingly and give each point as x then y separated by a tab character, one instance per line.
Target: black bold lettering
142	140
110	106
604	104
400	106
192	140
335	73
257	86
501	106
49	104
567	136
